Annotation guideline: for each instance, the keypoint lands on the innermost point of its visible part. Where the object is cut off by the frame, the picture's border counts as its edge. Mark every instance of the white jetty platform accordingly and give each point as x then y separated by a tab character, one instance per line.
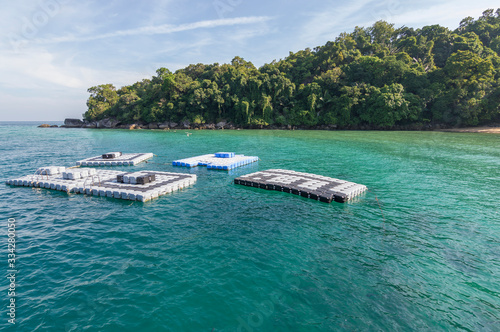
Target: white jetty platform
115	159
136	186
221	161
317	187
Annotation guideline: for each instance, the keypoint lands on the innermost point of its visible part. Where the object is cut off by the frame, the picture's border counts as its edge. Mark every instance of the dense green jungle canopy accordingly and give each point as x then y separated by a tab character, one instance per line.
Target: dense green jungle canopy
380	76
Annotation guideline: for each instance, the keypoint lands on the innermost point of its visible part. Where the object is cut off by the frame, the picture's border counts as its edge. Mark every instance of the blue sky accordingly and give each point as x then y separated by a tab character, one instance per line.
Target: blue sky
52	51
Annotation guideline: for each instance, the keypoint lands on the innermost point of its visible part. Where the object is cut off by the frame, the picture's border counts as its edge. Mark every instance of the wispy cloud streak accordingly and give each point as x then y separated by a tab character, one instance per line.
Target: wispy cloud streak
161	29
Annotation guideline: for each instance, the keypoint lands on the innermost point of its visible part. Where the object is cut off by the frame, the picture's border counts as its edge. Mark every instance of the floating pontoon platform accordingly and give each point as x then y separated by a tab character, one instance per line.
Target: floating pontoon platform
116	159
136	186
221	160
317	187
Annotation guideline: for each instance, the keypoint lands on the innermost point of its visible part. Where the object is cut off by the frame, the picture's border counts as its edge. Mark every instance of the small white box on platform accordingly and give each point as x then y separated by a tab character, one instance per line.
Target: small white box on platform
50	170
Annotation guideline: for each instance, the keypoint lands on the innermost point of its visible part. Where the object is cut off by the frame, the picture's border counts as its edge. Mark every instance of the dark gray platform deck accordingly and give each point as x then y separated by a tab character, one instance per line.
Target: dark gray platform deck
317	187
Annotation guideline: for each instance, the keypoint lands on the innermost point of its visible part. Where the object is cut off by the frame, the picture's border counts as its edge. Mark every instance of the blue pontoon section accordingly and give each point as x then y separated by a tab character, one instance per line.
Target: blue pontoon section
224	161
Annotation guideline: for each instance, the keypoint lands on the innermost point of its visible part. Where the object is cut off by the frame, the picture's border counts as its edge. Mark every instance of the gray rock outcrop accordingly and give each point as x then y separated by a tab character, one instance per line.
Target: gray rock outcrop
73	123
221	125
107	123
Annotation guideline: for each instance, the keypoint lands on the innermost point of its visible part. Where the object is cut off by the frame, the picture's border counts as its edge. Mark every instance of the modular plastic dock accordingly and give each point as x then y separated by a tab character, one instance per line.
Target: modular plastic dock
317	187
136	186
221	161
115	159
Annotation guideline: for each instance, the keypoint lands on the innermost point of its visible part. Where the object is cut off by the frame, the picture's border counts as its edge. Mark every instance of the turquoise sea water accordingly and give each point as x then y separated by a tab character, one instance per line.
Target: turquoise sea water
419	251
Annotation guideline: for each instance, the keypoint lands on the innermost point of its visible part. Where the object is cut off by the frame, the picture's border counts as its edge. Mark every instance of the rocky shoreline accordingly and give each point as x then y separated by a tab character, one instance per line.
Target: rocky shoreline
186	125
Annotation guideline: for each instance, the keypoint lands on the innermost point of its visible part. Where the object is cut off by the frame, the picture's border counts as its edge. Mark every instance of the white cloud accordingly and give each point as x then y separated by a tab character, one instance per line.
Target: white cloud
161	29
33	69
40	86
41	69
50	108
448	14
164	11
327	24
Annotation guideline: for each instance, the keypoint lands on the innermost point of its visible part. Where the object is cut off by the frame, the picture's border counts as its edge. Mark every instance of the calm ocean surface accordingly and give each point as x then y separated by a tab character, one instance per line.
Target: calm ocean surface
221	257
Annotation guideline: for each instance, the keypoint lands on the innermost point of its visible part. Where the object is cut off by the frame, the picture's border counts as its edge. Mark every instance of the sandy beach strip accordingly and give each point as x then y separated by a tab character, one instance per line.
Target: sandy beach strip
487	130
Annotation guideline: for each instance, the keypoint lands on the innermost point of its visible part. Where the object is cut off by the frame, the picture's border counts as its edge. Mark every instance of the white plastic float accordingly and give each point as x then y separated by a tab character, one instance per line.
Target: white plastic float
115	159
106	183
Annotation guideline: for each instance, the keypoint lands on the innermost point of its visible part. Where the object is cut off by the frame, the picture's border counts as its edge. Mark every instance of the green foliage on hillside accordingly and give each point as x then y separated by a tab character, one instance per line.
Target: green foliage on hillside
380	76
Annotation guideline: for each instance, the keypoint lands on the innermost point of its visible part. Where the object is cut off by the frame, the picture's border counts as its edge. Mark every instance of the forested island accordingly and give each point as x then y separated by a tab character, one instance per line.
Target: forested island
380	77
